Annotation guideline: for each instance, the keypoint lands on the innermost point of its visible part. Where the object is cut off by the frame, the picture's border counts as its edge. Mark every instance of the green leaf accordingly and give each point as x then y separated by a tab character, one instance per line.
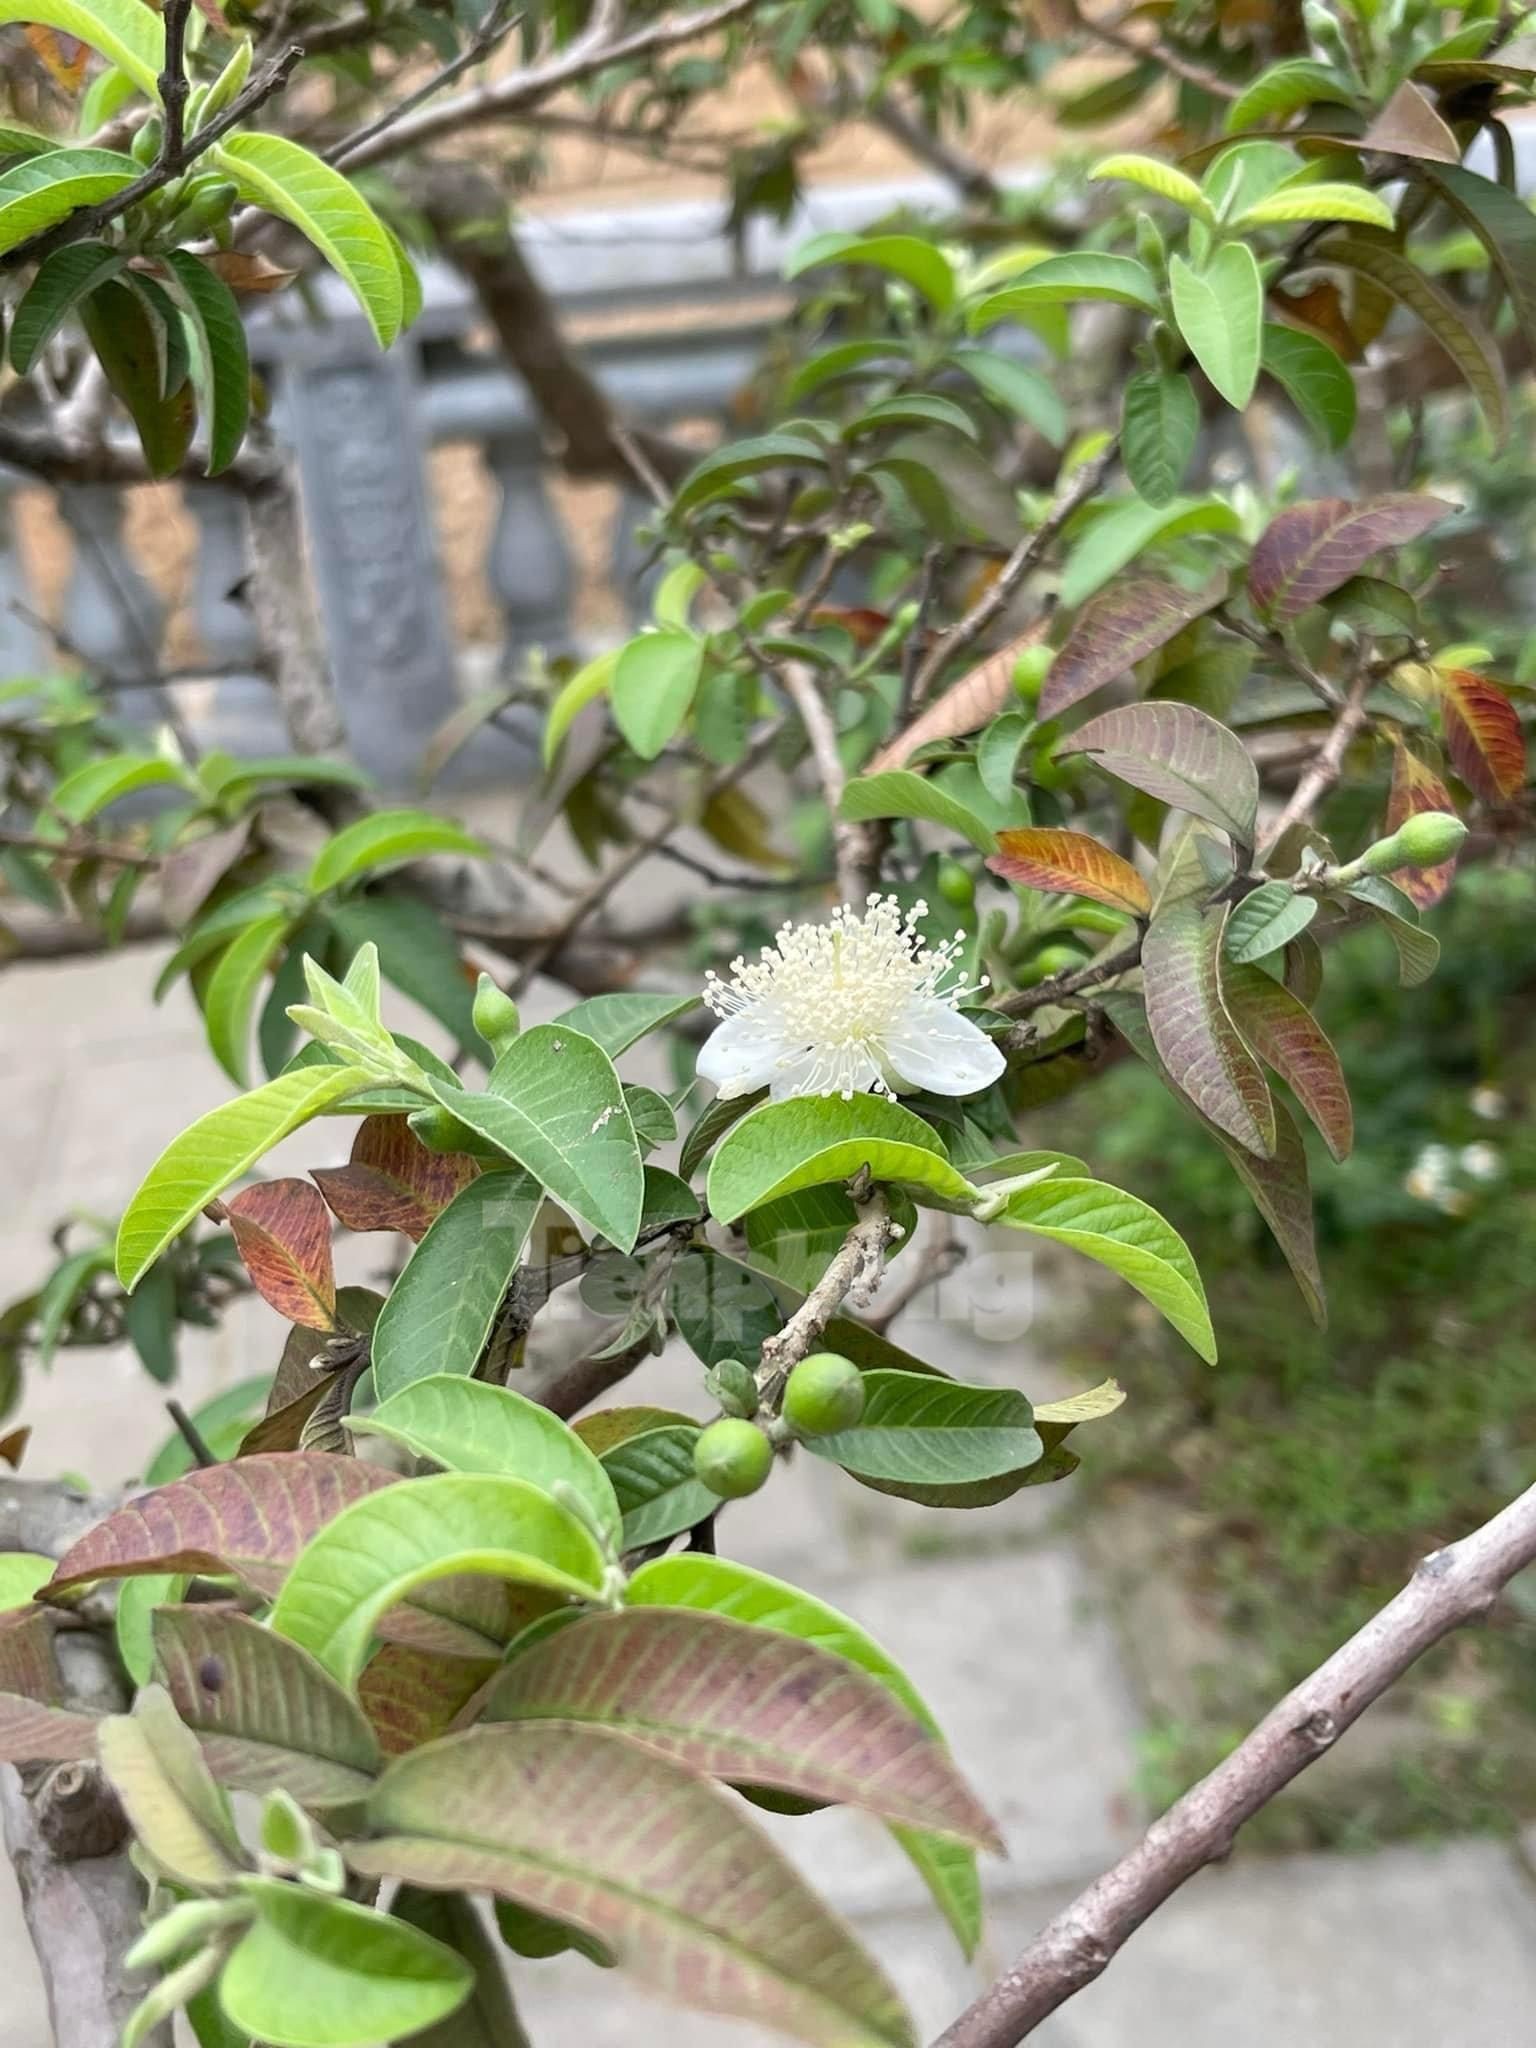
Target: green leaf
1059	280
748	1704
229	997
718	474
386	839
1418	951
1017	389
1315	380
1244	172
266	1714
1220	313
292	182
1153	175
95	785
125	32
1125	1234
221	365
1465	342
133	1620
21	1573
18	140
573	697
918	1430
1503	223
63	279
717	1585
375	1553
180	1816
840	361
131	346
1283	89
899	793
317	1972
1182	757
468	1426
918	263
1266	920
722	1309
653	688
216	1150
1159	427
43	190
806	1142
1323	201
616	1022
488	2018
653	1479
1127	530
441	1310
911	409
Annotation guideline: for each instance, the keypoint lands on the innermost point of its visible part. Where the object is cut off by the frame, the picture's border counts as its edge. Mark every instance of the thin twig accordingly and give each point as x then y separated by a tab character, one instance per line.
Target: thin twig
494	30
76	848
1326	768
191	1435
1449	1589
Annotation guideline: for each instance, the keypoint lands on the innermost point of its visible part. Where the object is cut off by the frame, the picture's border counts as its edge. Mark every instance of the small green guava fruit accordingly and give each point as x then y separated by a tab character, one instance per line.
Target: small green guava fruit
824	1393
732	1457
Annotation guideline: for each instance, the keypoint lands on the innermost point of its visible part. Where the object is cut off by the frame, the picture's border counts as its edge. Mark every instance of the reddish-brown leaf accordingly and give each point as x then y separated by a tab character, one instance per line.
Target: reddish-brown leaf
1070	864
1416	788
251	1518
27	1664
1482	734
1121	626
265	1712
662	1867
1308	550
863	624
411	1696
1319	310
63	57
1409	125
1196	1039
33	1727
393	1181
965	706
13	1445
1179	755
749	1705
1286	1036
283	1232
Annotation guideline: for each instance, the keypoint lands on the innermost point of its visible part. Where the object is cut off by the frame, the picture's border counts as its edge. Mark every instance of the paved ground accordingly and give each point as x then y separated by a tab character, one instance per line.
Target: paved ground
1410	1948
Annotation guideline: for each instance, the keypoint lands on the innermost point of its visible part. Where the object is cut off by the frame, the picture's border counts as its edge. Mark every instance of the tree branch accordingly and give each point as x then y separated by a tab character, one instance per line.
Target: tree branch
855	1269
1327	765
1452	1587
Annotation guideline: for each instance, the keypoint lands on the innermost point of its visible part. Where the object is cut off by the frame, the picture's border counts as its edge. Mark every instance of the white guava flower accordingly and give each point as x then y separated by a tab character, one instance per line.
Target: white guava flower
835	1009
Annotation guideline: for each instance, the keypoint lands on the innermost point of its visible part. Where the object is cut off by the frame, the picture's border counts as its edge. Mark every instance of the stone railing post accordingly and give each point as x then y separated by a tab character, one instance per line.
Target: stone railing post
529	564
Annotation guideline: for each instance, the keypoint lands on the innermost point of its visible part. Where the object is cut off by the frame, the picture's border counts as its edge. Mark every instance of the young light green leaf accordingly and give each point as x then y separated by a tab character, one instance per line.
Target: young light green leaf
1322	201
229	997
221	366
318	1972
384	839
1125	1234
717	1585
1220	313
616	1022
545	1815
899	793
294	183
1153	175
653	688
1283	89
809	1141
96	784
919	1430
1059	280
21	1573
375	1553
440	1311
467	1425
1159	426
573	697
217	1150
63	279
554	1104
129	35
1317	382
179	1815
1126	530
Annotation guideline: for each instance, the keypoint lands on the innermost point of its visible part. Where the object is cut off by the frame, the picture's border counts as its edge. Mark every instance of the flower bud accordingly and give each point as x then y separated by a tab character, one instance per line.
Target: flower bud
494	1015
733	1385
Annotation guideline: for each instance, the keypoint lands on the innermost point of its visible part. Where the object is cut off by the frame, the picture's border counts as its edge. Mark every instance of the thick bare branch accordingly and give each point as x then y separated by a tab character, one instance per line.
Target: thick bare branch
1451	1588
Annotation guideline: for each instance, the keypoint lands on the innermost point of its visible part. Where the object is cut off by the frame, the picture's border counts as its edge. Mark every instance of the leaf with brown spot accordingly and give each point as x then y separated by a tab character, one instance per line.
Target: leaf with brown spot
1119	627
1415	789
1409	125
1308	551
750	1705
1070	864
412	1697
965	706
1196	1039
250	1518
1286	1036
1179	755
1483	735
696	1902
283	1233
266	1714
393	1181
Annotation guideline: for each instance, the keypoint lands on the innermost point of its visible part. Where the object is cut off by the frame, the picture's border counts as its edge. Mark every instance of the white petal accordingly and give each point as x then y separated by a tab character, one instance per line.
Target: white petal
742	1053
934	1047
813	1072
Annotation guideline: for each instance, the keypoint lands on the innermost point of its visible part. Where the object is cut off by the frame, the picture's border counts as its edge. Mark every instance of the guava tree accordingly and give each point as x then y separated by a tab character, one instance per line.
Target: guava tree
1081	581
